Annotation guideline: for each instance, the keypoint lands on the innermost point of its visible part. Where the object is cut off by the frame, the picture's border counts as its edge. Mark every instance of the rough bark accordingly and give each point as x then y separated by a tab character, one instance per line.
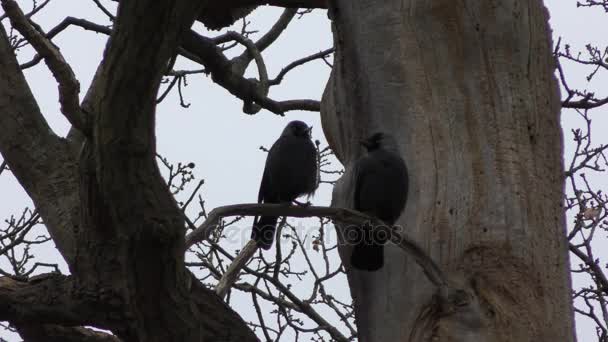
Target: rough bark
221	14
105	203
56	333
42	162
129	215
468	89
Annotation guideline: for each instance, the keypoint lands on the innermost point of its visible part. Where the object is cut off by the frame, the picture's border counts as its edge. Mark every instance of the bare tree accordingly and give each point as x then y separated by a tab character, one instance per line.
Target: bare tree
71	190
469	90
586	201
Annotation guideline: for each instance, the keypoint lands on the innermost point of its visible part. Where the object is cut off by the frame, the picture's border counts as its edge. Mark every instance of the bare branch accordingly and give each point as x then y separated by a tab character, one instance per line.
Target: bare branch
287	3
258	311
585	103
104	10
57	333
34	10
597	270
239	67
342	215
302	306
49	298
221	71
3	166
67	22
267	39
43	163
301	61
69	88
203	50
231	275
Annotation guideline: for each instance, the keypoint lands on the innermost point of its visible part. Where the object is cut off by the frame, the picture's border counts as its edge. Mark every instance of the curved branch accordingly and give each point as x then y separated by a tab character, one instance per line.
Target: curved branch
267	39
67	22
594	266
204	51
34	10
104	10
69	88
297	63
240	65
220	67
342	215
300	305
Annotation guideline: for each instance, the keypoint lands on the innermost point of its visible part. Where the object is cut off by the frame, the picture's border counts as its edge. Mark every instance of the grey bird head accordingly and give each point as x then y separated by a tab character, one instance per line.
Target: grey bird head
297	128
380	140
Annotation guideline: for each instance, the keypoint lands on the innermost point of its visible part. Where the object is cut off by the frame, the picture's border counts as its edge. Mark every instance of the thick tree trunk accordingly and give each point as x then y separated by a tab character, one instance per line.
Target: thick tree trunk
468	89
106	205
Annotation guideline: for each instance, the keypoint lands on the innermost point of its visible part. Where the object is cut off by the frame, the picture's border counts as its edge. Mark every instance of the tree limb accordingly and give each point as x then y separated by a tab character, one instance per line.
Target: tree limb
296	63
69	88
42	163
35	9
267	39
280	3
222	73
585	103
231	275
342	215
594	266
67	22
301	305
130	219
239	66
57	333
203	50
287	3
49	298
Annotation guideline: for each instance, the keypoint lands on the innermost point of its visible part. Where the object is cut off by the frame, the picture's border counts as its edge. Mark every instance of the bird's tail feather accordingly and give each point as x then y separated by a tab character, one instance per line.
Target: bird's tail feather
263	231
367	257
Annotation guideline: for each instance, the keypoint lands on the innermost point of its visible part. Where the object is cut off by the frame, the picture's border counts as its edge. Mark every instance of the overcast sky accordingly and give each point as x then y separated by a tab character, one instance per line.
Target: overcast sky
215	134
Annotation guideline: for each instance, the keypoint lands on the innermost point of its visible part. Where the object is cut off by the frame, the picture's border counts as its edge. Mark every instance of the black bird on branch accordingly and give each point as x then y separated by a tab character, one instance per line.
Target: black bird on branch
381	186
291	171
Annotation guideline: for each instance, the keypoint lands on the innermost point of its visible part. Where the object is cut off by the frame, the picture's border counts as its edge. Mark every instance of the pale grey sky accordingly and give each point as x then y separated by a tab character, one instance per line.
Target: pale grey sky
215	134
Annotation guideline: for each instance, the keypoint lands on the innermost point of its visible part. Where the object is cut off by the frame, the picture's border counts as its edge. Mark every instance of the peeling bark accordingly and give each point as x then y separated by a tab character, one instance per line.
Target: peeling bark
468	89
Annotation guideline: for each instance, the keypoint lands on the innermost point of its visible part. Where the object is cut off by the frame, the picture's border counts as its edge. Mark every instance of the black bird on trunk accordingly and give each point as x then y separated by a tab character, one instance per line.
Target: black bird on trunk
381	185
291	171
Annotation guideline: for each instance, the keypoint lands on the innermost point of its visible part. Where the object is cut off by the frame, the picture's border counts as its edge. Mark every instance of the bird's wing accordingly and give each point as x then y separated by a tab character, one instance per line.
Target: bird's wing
381	186
263	194
363	172
263	184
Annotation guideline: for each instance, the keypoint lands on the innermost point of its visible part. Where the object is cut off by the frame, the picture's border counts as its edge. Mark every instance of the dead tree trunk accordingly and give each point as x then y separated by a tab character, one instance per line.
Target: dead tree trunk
468	89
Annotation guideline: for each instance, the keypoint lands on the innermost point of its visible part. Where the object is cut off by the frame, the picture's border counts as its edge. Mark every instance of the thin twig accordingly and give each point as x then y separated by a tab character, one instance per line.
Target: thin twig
232	273
294	64
104	10
3	166
69	88
341	215
205	51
